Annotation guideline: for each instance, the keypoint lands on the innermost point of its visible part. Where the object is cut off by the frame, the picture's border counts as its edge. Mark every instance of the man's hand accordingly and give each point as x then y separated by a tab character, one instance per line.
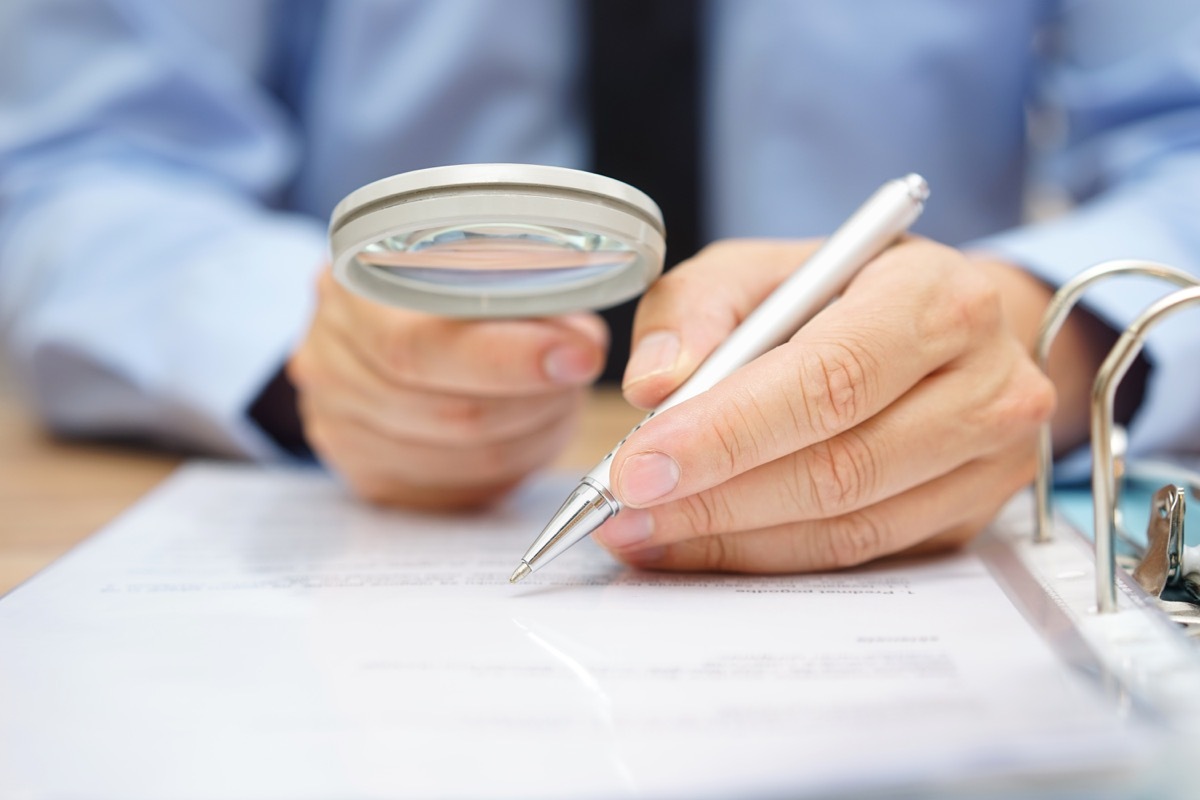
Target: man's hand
428	412
900	418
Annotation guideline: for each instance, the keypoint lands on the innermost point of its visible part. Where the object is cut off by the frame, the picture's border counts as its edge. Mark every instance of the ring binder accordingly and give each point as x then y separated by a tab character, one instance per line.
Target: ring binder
1119	359
1133	626
1161	563
1064	300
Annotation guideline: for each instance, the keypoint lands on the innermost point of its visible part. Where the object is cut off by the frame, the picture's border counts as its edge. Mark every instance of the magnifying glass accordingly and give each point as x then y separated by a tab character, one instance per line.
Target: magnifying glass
497	240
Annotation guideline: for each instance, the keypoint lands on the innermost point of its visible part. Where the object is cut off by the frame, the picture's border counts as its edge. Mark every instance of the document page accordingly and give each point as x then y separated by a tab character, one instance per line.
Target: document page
252	633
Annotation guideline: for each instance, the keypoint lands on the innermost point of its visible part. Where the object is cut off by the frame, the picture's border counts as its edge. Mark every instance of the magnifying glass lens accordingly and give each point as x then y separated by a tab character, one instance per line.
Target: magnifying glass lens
498	258
497	240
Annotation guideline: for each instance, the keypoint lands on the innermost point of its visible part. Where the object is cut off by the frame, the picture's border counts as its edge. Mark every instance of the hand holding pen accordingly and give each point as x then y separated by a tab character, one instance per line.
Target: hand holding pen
902	415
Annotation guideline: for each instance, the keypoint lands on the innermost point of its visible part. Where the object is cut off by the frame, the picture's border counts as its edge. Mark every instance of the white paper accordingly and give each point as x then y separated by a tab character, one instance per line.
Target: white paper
258	634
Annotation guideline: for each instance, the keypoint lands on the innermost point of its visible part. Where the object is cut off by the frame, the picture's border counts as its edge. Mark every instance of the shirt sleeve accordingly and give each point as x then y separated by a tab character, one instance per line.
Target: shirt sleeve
1122	90
148	286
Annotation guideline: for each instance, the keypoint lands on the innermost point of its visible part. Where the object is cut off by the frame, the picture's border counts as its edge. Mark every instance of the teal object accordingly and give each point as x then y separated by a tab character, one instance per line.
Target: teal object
1075	505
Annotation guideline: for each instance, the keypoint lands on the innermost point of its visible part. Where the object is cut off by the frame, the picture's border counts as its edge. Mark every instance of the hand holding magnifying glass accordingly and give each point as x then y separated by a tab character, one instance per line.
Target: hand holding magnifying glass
463	367
424	411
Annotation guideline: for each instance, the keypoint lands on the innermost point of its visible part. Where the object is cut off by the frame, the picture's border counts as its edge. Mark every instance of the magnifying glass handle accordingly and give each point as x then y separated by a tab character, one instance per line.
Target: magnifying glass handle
886	215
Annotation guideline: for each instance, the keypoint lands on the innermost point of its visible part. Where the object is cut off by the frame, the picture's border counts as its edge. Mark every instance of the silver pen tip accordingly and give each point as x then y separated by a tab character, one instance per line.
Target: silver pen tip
519	573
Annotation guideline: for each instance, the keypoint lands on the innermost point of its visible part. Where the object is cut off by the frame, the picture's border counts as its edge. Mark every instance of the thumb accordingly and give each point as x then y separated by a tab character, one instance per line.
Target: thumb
694	307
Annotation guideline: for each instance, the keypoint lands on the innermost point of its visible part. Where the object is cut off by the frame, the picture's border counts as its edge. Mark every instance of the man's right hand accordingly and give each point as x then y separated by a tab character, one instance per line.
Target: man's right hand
427	412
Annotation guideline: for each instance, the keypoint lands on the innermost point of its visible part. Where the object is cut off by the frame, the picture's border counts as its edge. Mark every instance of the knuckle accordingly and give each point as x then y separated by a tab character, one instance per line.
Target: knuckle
836	386
1024	401
687	289
401	346
718	553
740	432
706	512
666	287
669	296
1035	395
857	540
963	305
974	303
839	474
464	418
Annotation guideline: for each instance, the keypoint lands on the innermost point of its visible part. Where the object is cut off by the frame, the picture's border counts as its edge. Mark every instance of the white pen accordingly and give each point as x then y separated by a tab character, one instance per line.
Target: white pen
869	231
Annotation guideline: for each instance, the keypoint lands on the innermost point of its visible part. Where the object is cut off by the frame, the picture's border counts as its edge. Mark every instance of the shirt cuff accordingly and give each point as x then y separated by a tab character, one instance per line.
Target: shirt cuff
1131	224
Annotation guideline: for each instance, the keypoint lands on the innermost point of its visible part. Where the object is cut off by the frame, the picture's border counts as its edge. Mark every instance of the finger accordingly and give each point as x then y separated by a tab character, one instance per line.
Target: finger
492	357
393	471
949	510
452	420
947	420
693	308
590	325
855	358
326	364
342	385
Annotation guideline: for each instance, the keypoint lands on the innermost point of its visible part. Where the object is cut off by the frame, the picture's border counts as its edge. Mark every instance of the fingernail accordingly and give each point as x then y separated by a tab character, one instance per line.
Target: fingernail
656	352
647	477
628	528
569	365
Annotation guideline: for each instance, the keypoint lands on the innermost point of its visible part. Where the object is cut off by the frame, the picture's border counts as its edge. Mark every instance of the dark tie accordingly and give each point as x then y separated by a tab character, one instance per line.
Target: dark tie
643	101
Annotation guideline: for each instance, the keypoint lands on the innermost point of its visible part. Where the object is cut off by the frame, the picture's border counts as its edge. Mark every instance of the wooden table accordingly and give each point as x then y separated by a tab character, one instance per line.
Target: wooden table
54	493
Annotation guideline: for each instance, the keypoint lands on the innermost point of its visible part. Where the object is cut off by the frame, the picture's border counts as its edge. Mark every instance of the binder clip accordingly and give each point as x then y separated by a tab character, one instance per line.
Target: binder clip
1170	570
1165	568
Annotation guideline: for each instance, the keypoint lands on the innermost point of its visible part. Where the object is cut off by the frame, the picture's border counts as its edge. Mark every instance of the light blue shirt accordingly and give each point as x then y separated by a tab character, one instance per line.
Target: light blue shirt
167	167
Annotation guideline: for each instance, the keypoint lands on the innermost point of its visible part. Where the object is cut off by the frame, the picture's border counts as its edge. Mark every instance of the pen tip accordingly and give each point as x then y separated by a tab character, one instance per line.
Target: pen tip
519	573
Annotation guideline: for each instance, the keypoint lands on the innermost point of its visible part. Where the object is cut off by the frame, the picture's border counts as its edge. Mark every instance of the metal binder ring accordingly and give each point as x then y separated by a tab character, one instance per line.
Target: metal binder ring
1104	391
1064	300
